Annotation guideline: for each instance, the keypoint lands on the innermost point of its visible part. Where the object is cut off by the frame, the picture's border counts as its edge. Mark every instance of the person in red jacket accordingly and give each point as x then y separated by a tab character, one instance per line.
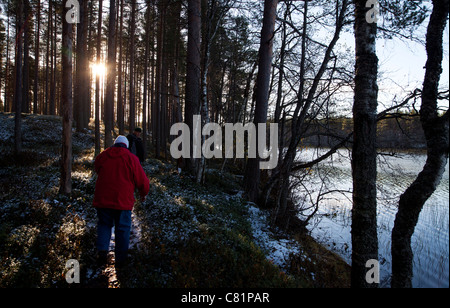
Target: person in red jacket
119	175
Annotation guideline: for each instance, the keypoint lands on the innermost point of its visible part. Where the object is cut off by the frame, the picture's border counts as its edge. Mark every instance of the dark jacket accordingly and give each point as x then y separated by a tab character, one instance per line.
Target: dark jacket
136	146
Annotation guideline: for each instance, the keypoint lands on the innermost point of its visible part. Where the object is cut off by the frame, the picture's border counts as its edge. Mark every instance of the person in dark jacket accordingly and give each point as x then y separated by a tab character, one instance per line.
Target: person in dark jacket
136	146
119	175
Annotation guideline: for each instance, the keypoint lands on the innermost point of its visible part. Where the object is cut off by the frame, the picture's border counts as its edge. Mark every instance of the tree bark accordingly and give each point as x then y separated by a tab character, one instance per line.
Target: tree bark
147	55
132	115
67	104
53	34
193	74
252	174
36	58
364	167
159	81
26	60
18	98
436	129
6	105
82	82
47	61
97	82
111	75
204	109
120	99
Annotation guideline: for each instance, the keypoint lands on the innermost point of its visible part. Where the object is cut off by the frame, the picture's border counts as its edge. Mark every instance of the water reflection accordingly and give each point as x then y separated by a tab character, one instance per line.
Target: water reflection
332	225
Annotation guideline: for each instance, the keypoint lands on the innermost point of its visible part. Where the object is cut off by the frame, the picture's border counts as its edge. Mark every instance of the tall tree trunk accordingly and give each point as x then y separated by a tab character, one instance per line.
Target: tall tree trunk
204	109
146	60
364	156
153	61
111	75
164	89
159	80
132	103
193	72
97	82
26	56
252	174
6	94
120	115
82	81
47	61
175	22
53	33
18	91
36	58
436	129
2	104
67	104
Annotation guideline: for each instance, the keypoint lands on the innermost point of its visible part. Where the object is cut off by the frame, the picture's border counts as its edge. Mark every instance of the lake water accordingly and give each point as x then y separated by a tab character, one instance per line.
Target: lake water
332	224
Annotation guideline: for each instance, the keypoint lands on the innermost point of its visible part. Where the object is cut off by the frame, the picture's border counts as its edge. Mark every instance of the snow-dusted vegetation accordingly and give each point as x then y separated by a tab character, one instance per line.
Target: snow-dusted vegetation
183	235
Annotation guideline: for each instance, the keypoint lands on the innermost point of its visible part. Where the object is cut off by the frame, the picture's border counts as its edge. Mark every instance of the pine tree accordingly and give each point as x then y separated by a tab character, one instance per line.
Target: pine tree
193	75
252	174
82	100
18	96
67	104
111	75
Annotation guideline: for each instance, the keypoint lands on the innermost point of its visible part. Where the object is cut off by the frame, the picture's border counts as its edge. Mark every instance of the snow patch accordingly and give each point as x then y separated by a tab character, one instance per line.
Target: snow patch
277	249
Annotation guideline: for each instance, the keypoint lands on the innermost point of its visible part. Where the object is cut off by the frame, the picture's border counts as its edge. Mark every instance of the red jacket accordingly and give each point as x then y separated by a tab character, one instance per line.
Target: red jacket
119	174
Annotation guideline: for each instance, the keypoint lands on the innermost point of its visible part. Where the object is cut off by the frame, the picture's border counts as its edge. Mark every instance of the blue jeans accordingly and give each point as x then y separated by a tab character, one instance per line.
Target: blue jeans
121	220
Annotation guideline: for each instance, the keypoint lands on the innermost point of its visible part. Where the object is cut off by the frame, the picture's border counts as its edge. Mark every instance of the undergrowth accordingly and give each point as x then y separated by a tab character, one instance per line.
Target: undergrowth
190	235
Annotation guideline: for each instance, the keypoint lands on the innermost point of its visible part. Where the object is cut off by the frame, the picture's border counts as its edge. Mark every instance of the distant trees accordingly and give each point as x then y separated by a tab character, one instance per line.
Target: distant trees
400	130
146	43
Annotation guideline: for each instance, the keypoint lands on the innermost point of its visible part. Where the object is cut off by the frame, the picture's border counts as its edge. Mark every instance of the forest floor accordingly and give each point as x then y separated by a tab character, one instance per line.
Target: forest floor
183	235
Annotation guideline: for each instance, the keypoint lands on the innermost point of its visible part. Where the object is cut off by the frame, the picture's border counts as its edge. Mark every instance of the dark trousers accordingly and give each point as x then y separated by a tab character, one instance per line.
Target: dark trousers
121	221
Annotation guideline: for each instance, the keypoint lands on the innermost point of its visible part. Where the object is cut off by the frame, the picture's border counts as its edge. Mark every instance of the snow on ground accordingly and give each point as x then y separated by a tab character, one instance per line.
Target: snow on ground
277	249
6	124
177	212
